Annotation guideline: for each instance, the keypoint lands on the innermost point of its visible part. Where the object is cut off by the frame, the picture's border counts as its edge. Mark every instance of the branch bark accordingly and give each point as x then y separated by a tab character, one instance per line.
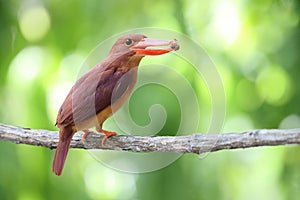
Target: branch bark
196	143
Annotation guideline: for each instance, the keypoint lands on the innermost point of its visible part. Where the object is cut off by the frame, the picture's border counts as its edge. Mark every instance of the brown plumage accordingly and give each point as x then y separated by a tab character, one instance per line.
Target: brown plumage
90	101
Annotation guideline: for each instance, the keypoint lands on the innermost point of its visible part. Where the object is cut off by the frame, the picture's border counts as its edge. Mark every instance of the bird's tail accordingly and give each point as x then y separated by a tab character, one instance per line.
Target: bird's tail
65	138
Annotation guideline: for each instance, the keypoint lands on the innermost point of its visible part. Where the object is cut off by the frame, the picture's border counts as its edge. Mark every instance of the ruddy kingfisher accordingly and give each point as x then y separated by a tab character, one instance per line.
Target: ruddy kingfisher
89	102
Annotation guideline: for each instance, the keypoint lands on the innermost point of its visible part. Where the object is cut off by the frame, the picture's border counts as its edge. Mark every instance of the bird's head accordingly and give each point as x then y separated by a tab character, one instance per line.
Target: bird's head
140	45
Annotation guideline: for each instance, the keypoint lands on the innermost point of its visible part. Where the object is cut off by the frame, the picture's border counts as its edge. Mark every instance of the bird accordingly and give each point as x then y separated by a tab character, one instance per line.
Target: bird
103	90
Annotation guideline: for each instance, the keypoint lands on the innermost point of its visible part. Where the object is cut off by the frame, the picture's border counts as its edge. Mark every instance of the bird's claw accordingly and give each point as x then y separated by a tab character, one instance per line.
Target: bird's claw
107	135
86	132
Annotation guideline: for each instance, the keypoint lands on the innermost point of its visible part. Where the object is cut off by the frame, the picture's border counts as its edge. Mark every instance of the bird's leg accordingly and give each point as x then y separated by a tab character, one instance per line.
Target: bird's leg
99	129
106	133
86	132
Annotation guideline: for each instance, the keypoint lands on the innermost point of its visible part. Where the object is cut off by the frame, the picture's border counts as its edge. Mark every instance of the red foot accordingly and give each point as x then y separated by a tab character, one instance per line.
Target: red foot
86	132
107	135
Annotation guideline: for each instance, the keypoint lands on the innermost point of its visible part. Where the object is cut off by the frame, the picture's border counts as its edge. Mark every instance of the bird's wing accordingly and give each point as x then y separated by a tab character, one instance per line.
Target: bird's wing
91	94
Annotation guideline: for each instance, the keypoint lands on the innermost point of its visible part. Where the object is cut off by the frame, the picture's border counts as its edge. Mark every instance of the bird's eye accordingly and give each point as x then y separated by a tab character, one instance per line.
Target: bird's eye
128	42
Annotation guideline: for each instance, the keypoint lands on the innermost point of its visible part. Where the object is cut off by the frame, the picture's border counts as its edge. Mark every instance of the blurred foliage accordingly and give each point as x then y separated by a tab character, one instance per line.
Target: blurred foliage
254	44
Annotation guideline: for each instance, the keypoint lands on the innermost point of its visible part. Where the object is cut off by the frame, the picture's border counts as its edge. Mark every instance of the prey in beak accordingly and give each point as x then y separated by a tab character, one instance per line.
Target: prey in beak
148	46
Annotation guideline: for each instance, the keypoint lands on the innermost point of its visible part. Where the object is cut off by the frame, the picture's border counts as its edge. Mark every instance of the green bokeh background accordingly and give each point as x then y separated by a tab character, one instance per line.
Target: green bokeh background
254	44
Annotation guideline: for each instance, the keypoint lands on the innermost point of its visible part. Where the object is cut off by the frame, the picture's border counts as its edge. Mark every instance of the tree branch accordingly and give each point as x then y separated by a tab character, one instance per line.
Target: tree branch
196	143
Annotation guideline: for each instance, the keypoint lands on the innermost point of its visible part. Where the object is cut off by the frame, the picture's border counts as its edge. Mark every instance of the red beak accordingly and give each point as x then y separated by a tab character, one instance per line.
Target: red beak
141	47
